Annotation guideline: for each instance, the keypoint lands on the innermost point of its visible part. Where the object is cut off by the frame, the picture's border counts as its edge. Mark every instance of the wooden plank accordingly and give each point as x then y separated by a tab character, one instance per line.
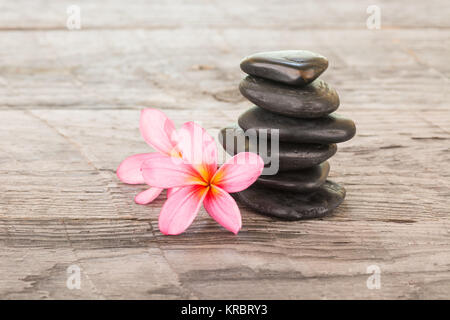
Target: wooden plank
290	14
69	110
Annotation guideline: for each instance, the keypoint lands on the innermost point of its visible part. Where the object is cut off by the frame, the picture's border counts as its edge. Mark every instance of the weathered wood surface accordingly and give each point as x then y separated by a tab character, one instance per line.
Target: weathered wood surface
69	109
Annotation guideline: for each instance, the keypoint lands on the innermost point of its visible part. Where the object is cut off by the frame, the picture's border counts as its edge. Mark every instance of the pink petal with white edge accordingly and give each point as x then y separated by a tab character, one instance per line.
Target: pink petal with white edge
158	131
129	171
222	208
147	196
169	172
181	209
239	172
198	148
171	191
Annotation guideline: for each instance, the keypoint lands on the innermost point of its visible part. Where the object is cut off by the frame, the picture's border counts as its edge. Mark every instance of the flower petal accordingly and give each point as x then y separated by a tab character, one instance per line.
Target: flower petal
198	148
147	196
158	131
181	209
222	208
129	171
169	172
171	191
239	172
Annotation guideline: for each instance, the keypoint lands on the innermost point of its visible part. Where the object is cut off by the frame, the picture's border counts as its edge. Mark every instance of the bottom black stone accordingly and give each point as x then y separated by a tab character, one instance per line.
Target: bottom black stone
292	205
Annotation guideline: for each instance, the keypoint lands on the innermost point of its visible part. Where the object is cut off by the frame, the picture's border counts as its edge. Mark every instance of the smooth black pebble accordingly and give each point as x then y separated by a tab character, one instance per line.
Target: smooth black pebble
305	180
329	129
291	156
293	67
292	205
312	101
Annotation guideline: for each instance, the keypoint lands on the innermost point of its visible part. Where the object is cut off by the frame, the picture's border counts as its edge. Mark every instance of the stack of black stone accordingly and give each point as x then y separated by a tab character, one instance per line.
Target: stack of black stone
288	96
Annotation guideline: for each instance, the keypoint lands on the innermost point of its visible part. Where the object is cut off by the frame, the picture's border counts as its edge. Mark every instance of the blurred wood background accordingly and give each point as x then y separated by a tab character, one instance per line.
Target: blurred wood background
69	110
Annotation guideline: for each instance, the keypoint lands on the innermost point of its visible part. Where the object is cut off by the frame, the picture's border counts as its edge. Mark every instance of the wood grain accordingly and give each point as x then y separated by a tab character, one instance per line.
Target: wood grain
69	110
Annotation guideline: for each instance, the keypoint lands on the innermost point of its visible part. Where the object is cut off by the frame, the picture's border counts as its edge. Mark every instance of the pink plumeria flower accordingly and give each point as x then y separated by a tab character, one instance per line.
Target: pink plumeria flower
160	133
198	181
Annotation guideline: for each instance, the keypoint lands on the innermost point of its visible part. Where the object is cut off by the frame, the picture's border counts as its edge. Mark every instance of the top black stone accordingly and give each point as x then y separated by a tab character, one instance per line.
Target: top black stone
292	67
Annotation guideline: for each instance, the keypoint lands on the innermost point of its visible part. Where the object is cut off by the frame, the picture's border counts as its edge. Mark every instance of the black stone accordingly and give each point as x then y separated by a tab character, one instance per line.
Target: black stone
293	67
312	101
292	205
329	129
292	156
305	180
